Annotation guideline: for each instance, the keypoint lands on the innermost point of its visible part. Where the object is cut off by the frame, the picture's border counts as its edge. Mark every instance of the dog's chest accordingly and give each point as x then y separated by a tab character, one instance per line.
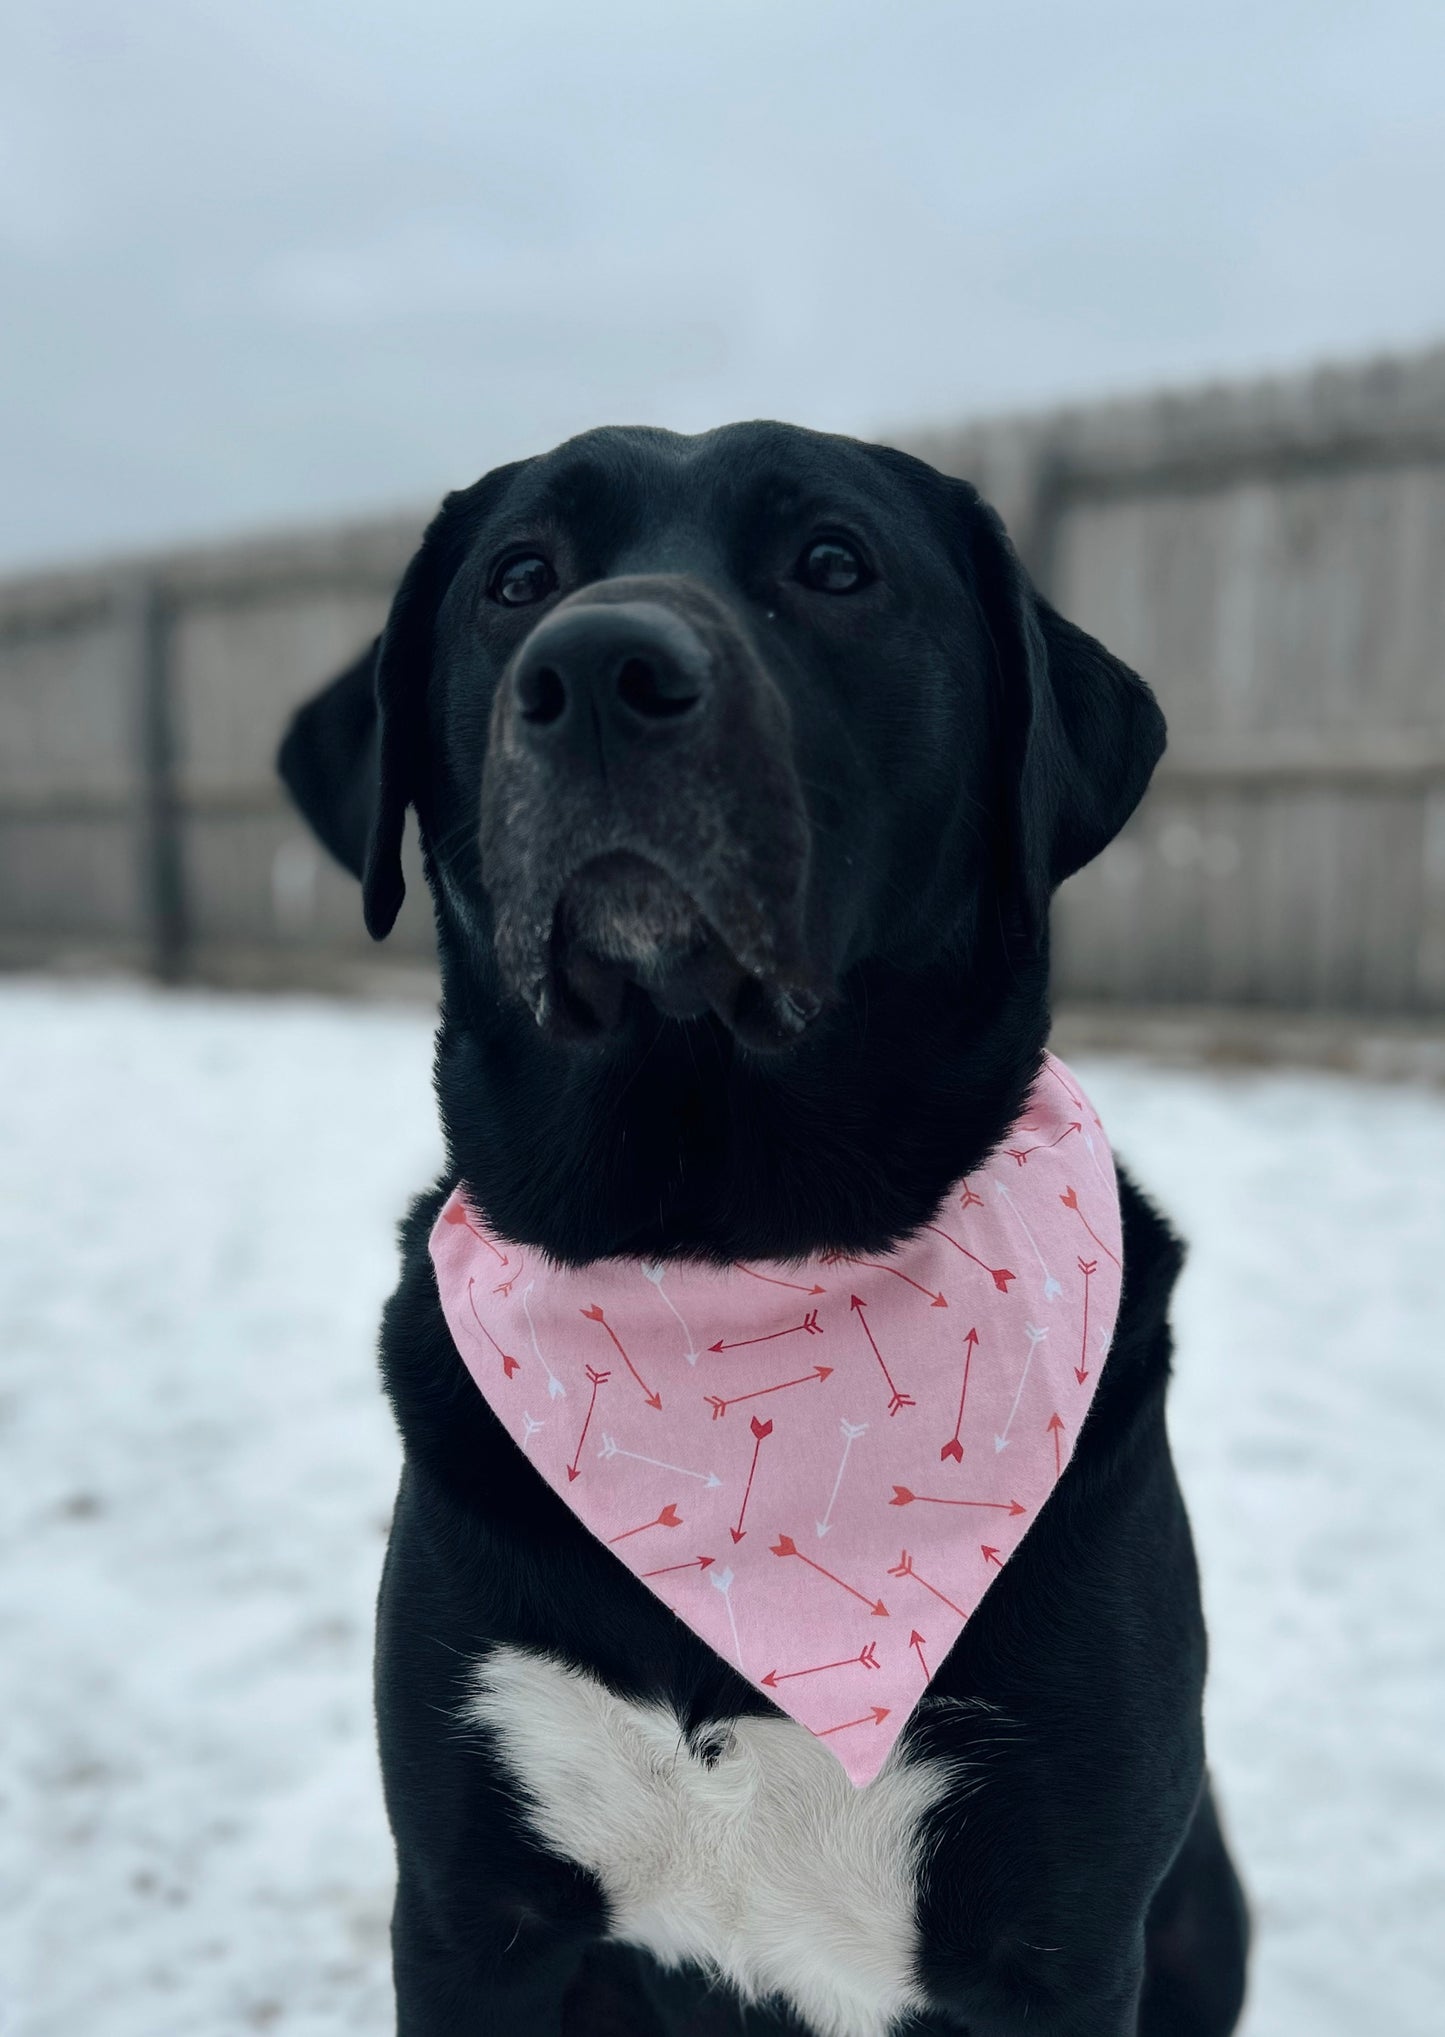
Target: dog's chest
763	1862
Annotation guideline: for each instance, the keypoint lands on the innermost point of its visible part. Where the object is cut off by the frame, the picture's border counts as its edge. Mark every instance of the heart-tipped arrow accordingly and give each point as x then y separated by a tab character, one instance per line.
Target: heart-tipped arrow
1019	1154
954	1447
455	1213
595	1315
761	1431
692	1563
902	1497
904	1568
999	1275
720	1406
510	1365
722	1581
771	1279
850	1432
668	1518
935	1297
786	1546
1070	1200
1052	1287
915	1642
1036	1337
875	1717
1055	1428
810	1326
867	1658
612	1448
1088	1267
897	1400
597	1379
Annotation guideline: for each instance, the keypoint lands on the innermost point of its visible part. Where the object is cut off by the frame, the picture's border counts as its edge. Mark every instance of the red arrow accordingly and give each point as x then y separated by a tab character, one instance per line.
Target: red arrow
898	1400
1019	1154
904	1568
668	1518
760	1430
455	1213
597	1379
868	1659
902	1497
915	1642
873	1266
720	1407
595	1315
875	1717
991	1555
1000	1275
1088	1267
970	1199
693	1563
795	1285
506	1286
509	1364
786	1546
809	1325
953	1447
1070	1200
1055	1427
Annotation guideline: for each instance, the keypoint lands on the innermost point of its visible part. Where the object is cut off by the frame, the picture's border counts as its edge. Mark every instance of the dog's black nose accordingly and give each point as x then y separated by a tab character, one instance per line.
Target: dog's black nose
609	671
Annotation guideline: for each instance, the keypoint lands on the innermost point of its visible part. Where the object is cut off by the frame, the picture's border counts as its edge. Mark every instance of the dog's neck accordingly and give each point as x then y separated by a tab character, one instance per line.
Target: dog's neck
656	1145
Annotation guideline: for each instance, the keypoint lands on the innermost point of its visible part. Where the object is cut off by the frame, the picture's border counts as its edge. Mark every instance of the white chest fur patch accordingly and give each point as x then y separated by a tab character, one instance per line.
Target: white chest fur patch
766	1866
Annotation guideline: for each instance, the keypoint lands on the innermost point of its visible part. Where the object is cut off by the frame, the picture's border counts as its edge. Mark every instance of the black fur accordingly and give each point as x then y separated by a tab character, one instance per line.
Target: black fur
853	1029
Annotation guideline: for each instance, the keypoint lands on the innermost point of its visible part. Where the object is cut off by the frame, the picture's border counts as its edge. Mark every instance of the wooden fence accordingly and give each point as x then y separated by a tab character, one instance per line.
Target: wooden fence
1271	556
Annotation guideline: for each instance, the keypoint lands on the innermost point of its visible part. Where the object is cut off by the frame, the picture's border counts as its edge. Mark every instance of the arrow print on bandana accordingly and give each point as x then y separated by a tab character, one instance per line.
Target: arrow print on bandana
597	1379
935	1299
970	1199
761	1431
595	1314
875	1717
1036	1337
720	1406
555	1389
692	1563
530	1429
796	1285
897	1400
455	1213
902	1497
1019	1154
1070	1200
722	1581
953	1447
668	1518
810	1326
612	1448
1088	1267
1052	1287
786	1546
850	1432
657	1273
1055	1429
904	1568
867	1658
999	1275
915	1642
510	1365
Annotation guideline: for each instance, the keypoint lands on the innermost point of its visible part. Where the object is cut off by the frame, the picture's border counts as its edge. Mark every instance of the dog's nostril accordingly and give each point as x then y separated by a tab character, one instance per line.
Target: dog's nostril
655	690
541	696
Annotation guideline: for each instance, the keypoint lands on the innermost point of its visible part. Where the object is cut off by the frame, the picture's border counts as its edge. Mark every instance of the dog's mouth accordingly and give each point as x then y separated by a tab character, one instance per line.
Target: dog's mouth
624	929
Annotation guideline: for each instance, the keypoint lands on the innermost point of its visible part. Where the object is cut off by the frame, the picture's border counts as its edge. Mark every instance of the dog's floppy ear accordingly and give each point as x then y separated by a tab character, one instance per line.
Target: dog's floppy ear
328	761
1082	733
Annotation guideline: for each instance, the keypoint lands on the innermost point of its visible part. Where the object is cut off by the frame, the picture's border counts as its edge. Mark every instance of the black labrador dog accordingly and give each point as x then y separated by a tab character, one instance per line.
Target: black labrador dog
745	766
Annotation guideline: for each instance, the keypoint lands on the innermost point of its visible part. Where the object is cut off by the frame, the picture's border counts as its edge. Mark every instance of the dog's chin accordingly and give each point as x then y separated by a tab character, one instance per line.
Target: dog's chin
626	937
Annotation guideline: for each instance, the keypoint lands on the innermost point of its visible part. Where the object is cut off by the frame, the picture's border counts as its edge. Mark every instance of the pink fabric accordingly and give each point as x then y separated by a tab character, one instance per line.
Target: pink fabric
821	1468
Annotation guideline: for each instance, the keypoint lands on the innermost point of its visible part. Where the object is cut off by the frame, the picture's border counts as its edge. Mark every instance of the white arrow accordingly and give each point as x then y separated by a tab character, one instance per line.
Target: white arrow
531	1429
1035	1337
657	1273
555	1389
850	1432
1051	1286
722	1580
612	1448
1108	1179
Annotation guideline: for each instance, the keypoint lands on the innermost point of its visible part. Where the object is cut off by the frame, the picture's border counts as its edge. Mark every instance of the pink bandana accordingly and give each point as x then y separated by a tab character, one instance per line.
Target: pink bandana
821	1468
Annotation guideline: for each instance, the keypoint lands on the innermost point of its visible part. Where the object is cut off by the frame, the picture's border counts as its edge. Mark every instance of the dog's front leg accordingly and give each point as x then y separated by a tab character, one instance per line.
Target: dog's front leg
497	1975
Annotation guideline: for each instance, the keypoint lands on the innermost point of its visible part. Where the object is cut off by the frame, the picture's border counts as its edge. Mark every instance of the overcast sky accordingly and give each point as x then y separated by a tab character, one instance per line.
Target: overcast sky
264	260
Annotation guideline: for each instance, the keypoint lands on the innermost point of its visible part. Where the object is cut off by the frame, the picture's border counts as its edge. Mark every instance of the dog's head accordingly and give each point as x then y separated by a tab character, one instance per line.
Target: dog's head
694	726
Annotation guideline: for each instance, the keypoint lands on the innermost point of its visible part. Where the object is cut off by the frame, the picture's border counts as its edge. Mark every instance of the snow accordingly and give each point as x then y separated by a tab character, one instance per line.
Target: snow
196	1233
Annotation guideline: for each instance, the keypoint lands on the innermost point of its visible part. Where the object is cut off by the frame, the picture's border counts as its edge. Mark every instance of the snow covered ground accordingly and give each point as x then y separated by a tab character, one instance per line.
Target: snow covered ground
198	1201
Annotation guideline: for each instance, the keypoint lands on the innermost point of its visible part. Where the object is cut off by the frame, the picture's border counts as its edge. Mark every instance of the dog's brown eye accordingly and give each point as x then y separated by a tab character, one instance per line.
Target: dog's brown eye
830	566
522	580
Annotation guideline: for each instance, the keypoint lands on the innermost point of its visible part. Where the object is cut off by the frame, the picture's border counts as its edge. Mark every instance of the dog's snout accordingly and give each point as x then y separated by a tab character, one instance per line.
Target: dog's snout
623	669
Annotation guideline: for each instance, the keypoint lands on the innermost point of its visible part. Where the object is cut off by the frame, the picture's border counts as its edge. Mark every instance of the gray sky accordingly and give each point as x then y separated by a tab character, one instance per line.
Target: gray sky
265	261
